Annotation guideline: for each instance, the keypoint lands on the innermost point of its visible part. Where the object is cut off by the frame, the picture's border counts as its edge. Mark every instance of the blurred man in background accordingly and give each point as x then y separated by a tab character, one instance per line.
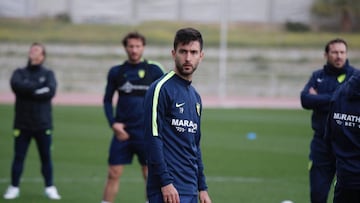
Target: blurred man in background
131	81
316	96
34	87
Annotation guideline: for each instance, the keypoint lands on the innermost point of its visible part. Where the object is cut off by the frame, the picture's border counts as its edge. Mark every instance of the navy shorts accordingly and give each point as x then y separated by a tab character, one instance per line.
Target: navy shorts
122	152
158	198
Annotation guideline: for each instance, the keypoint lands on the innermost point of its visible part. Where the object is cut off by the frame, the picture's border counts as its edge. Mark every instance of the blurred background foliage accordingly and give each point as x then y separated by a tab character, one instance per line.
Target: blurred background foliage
347	12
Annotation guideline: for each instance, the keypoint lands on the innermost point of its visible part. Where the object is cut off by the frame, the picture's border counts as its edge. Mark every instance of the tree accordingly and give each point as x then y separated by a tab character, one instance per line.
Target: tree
348	12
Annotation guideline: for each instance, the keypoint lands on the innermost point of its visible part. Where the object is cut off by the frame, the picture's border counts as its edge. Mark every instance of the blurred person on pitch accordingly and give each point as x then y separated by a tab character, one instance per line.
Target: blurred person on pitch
316	96
34	87
173	111
130	80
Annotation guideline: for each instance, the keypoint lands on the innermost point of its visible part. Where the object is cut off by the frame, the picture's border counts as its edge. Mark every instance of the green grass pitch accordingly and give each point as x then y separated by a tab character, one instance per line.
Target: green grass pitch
268	169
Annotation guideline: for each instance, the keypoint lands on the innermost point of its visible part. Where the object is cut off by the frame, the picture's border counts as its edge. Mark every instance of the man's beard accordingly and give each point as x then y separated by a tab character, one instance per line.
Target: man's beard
183	71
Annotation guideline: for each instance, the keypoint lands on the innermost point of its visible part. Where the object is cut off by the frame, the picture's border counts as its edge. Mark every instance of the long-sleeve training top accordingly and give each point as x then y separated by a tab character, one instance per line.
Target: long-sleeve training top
325	81
131	81
34	87
172	136
343	132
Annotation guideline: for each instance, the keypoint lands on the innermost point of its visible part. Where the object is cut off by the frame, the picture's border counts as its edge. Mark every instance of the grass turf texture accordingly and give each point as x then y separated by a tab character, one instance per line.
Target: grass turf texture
268	169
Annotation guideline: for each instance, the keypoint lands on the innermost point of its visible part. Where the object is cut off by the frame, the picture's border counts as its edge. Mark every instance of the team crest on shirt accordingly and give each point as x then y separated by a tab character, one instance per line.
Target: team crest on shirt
198	108
141	73
341	78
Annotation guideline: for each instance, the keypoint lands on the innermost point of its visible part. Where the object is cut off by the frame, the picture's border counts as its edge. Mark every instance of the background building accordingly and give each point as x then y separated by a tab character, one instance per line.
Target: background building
226	74
134	11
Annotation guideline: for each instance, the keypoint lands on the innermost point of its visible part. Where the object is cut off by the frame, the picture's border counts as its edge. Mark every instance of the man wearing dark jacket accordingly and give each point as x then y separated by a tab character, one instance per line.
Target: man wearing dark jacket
316	96
172	128
34	86
343	134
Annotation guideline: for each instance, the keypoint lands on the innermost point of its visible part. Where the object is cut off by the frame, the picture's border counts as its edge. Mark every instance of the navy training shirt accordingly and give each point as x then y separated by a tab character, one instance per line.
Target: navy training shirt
34	87
172	136
325	81
131	82
343	132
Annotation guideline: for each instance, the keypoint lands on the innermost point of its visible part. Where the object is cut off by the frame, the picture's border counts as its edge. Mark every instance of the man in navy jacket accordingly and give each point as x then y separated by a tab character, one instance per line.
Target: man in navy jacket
316	96
172	128
34	87
343	133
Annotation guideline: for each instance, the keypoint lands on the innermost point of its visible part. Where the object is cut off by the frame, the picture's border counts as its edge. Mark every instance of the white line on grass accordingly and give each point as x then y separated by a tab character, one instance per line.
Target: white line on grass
129	179
233	179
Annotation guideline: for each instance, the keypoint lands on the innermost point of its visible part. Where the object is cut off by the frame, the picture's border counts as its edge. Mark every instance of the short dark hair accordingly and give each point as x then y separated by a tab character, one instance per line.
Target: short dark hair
186	35
133	35
334	41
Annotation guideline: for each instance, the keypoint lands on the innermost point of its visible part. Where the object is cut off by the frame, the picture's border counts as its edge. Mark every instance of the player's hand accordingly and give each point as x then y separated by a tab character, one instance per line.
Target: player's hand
170	194
204	197
312	91
120	132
